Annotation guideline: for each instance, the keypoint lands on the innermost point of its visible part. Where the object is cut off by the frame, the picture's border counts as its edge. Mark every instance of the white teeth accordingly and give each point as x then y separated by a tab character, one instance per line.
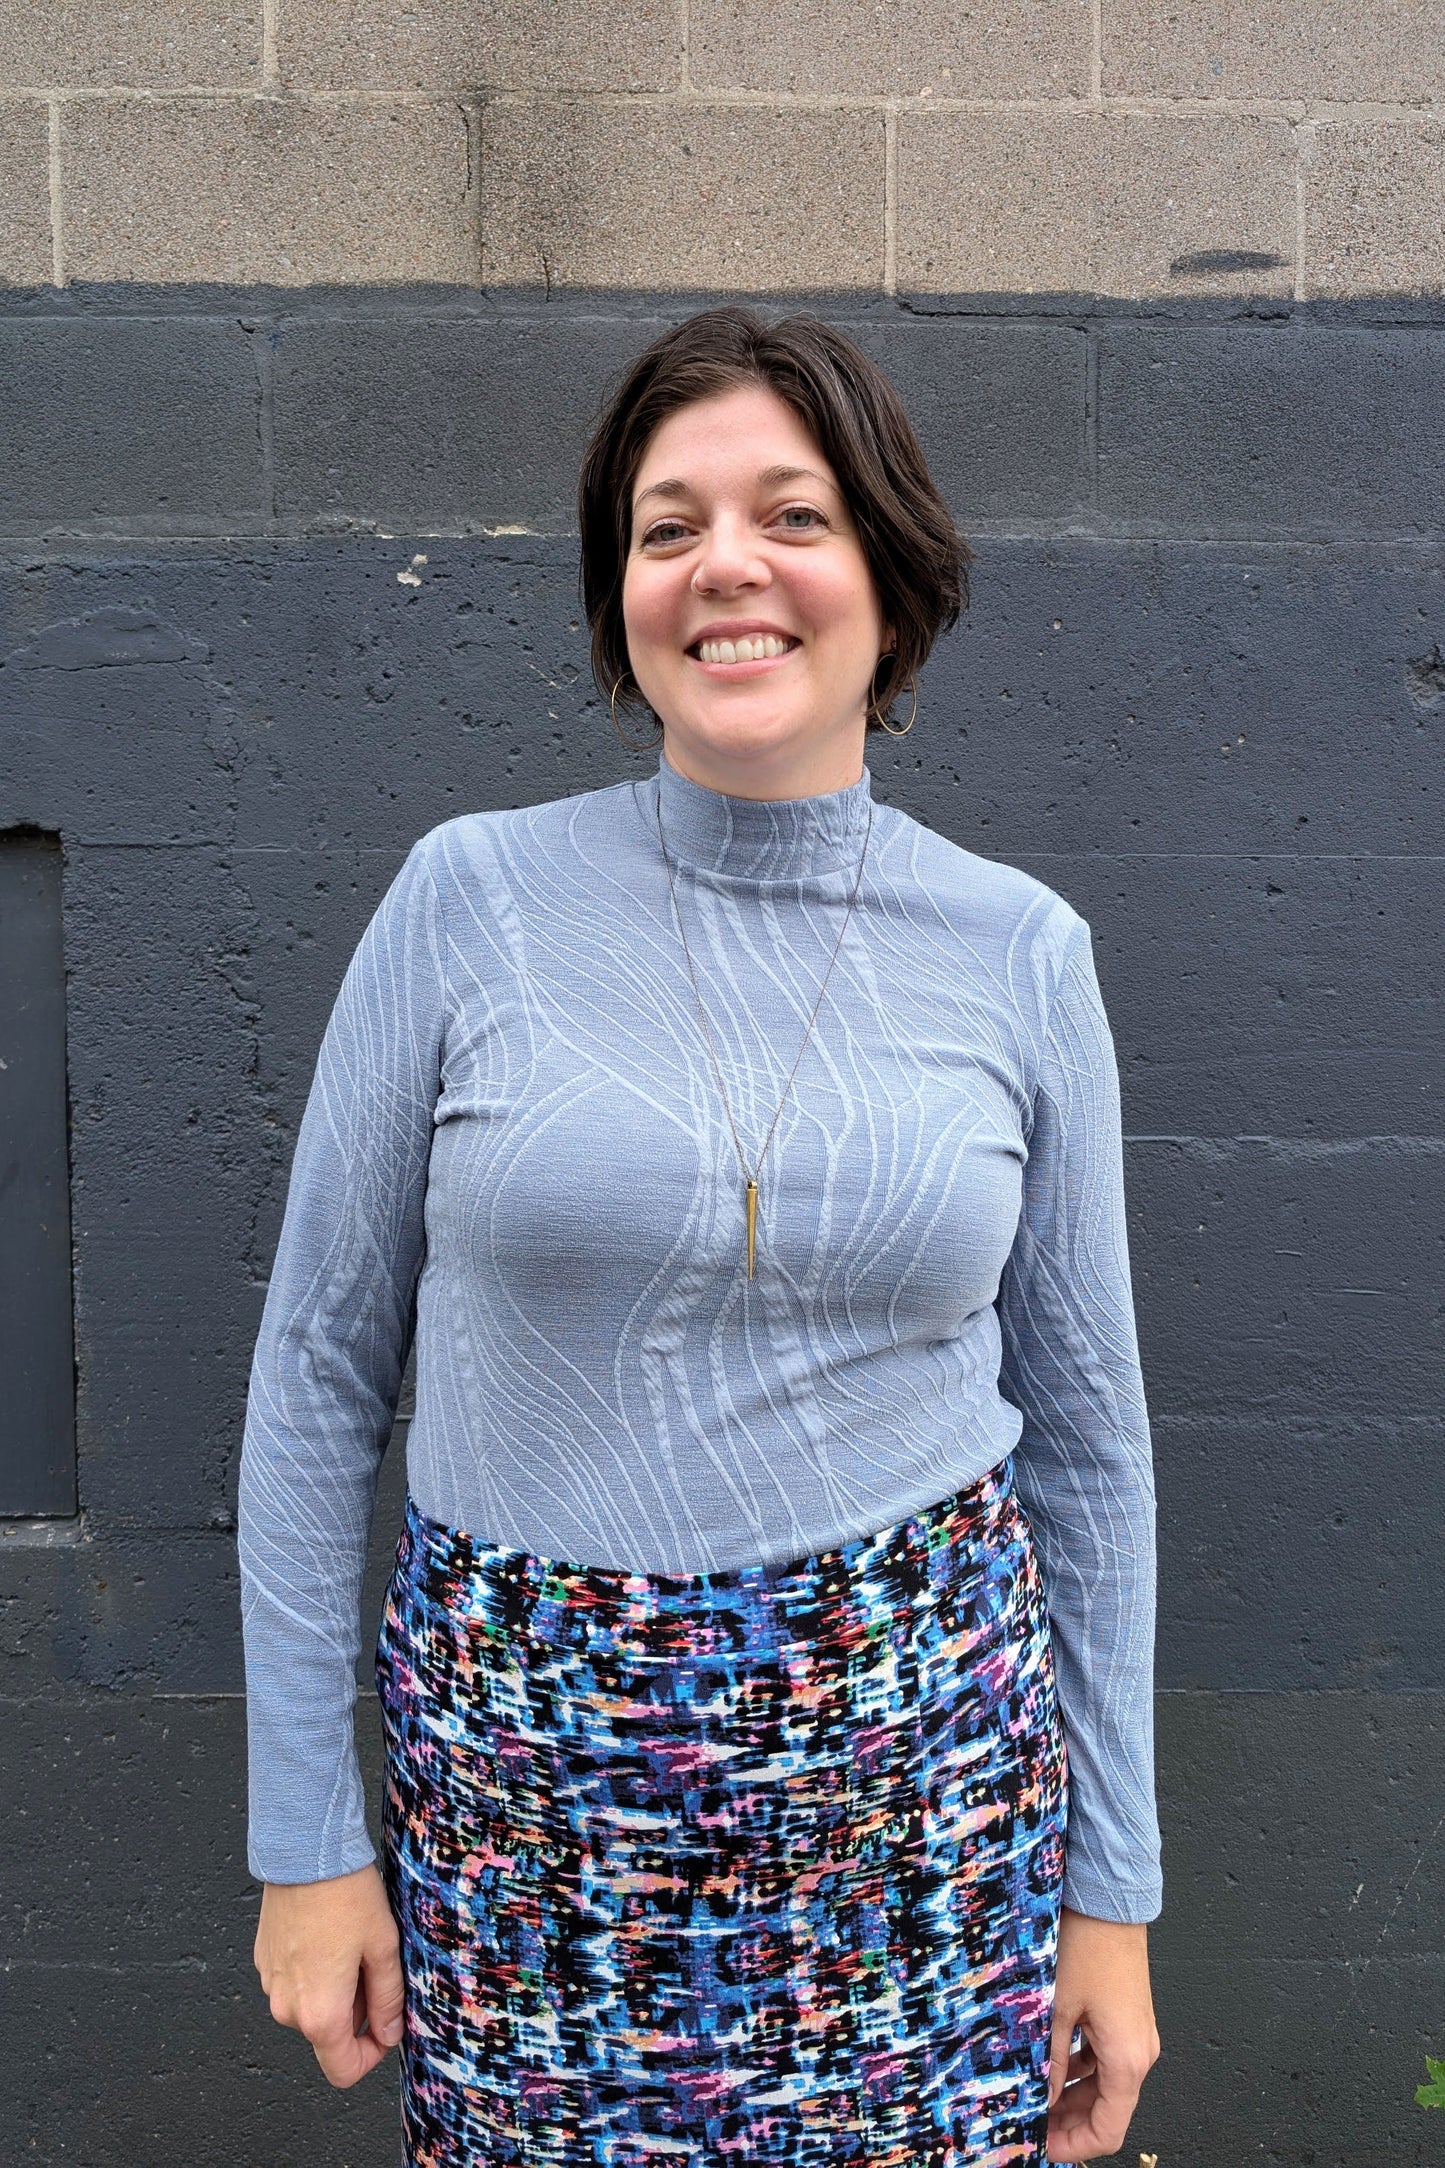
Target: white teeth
752	648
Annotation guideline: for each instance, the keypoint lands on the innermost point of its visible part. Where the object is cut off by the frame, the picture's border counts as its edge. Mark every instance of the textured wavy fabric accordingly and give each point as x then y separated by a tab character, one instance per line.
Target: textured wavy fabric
760	1865
515	1147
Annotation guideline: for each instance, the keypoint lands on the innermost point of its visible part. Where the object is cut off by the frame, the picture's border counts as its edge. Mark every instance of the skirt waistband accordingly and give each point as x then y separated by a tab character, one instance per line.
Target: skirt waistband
872	1582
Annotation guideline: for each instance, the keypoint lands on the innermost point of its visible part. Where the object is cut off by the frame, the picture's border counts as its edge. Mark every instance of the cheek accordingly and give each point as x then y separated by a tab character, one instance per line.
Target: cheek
835	600
649	608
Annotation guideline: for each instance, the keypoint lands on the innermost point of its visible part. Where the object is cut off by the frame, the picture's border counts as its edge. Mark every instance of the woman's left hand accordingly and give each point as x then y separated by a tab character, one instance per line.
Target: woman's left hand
1101	1985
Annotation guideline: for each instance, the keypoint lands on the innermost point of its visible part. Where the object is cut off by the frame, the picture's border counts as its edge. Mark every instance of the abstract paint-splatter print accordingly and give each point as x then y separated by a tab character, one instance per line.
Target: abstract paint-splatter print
759	1865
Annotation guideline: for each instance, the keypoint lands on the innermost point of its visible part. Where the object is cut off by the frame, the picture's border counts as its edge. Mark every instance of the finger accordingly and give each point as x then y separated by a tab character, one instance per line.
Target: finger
385	1989
1119	2086
345	2055
344	2052
1060	2042
1071	2133
1092	2120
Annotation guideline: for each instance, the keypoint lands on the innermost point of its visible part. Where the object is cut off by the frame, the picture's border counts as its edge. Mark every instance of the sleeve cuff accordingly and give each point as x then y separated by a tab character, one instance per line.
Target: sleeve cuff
1133	1904
286	1870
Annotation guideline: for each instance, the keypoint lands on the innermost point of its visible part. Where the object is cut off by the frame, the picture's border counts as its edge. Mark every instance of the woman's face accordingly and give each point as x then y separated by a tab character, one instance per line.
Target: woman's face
741	533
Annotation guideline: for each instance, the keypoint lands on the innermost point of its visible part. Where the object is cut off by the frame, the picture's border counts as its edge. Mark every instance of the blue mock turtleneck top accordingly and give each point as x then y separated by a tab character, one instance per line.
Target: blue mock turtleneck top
515	1150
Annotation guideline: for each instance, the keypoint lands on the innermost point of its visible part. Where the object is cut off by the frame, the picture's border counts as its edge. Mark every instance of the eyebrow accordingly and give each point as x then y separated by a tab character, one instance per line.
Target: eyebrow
674	488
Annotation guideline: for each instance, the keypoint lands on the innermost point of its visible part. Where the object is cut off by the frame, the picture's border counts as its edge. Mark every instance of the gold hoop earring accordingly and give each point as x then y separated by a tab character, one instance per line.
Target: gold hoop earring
623	735
883	724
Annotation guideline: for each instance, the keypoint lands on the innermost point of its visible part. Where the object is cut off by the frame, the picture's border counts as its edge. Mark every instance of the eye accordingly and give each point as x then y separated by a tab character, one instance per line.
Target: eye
656	532
808	511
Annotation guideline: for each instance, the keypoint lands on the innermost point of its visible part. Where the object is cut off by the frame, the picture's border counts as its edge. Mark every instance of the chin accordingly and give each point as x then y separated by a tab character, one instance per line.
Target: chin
760	705
737	730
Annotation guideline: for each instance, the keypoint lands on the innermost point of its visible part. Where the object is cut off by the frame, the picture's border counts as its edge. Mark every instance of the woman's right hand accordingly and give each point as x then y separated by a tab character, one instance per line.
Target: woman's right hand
329	1957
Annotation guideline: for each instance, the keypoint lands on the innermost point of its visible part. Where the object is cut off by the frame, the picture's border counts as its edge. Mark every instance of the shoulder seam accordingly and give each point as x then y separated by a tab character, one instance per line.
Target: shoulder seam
1073	922
442	922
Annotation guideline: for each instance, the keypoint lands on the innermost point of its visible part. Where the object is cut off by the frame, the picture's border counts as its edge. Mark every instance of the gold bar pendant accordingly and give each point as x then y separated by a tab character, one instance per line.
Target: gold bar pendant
752	1221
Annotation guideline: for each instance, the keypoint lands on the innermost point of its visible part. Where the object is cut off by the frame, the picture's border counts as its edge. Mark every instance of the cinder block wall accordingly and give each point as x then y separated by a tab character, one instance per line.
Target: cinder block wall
1027	146
306	313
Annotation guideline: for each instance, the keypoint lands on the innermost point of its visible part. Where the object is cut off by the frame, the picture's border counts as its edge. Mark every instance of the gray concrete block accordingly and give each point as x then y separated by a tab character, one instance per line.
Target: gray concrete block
118	2065
1276	1278
1284	996
476	680
125	1827
1271	2060
309	909
36	1577
1272	429
26	254
465	422
172	1150
113	720
1137	204
386	1526
1374	199
126	1831
449	423
113	713
1297	1963
1335	1585
999	409
1202	1017
451	45
121	1612
282	664
267	189
1297	1827
1388	54
741	198
120	423
132	1612
1097	698
871	49
51	45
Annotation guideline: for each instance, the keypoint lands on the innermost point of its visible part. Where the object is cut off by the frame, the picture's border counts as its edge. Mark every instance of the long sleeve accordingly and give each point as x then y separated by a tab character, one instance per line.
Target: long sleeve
1083	1463
324	1384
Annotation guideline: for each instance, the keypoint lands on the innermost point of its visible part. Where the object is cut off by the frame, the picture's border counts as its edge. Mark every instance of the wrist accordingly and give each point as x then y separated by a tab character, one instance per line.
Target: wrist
1132	1930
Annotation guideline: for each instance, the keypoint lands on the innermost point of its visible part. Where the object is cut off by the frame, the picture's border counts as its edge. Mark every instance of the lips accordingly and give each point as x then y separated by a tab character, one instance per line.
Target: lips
751	646
739	647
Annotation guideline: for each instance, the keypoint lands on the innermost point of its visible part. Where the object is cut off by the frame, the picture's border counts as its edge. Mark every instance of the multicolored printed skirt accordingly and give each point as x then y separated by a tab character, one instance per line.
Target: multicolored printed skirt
738	1867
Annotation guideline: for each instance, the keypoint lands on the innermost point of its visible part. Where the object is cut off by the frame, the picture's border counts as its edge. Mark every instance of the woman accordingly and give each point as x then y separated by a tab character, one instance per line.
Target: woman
746	1160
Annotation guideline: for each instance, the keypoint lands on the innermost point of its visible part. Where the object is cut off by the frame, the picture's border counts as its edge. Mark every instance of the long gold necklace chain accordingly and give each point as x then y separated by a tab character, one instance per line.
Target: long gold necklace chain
752	1179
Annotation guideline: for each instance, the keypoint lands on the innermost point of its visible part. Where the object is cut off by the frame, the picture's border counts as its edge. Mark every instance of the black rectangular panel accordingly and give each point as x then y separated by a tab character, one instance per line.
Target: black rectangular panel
37	1359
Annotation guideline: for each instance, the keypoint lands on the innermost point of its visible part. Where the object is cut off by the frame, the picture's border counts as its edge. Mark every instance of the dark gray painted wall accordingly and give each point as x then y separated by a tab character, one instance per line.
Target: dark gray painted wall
1200	691
37	1346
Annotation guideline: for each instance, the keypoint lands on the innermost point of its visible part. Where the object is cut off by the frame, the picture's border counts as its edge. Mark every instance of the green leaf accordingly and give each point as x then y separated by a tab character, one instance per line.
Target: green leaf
1433	2094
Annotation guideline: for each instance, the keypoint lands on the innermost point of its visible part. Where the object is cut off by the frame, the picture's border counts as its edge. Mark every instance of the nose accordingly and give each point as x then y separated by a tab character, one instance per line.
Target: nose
729	559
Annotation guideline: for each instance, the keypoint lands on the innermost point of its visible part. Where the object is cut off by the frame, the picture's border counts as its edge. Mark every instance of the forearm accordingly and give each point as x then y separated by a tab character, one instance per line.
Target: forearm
324	1384
1100	1593
1083	1462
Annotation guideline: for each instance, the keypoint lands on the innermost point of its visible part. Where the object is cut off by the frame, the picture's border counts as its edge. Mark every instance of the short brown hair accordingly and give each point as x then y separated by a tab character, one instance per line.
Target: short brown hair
918	559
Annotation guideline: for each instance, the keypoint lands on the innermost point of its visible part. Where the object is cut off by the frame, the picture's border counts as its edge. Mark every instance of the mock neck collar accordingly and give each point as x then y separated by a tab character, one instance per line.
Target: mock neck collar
763	839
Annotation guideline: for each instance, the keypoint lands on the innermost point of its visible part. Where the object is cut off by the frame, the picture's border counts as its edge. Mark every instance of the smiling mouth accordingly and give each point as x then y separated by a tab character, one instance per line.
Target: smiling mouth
749	647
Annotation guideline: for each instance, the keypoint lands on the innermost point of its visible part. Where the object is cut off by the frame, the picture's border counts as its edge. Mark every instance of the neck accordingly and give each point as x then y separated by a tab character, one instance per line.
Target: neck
784	771
774	838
